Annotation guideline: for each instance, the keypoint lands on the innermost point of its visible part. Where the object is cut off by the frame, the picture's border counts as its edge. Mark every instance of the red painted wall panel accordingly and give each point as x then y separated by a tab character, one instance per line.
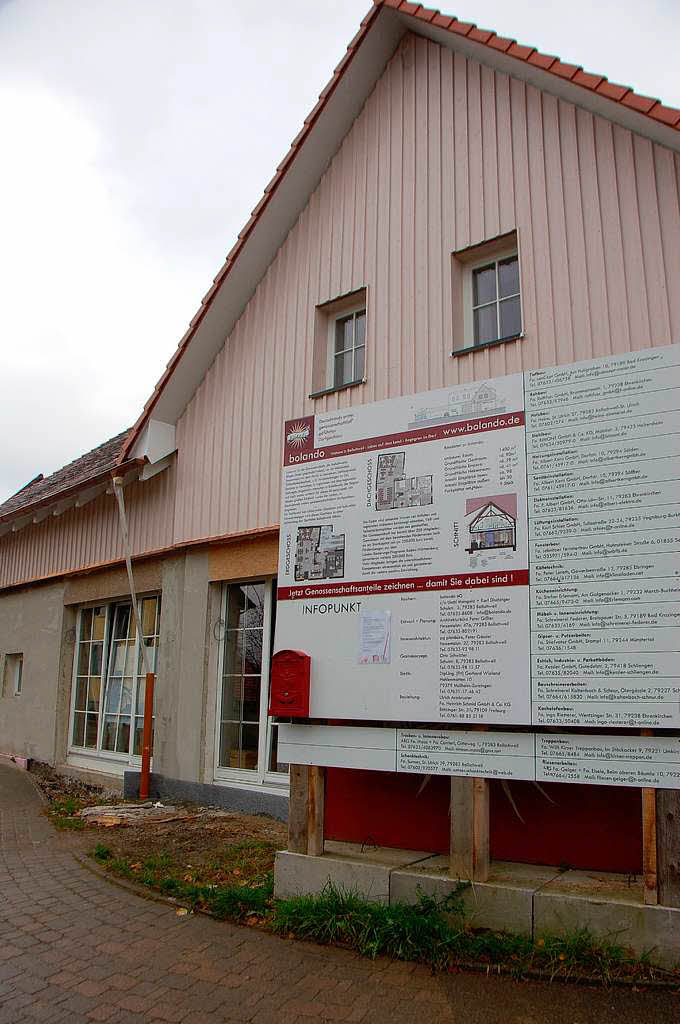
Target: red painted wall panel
590	827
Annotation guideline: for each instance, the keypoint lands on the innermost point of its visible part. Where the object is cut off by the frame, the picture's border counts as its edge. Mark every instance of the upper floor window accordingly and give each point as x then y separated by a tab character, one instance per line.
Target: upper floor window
496	312
339	343
109	676
486	292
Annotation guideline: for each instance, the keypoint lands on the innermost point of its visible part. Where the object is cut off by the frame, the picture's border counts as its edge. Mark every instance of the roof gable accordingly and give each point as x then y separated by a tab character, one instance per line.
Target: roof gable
298	174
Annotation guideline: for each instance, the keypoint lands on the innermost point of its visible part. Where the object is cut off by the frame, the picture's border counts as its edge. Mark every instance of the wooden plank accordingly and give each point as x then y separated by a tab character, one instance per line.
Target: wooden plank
649	845
316	784
297	809
668	846
469	843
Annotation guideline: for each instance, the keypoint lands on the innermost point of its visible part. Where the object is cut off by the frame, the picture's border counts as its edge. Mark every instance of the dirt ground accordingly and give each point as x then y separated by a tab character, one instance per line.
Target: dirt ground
205	845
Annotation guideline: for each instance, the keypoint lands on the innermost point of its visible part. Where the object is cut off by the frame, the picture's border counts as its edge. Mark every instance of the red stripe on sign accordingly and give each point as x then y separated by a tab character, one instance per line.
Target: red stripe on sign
405	585
442	432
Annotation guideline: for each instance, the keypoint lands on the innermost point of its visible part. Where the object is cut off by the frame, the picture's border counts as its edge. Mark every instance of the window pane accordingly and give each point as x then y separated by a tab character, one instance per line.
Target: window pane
138	739
254	605
86	624
343	333
232	689
91	731
508	276
229	745
109	737
123	744
96	659
126	697
122	622
249	740
98	623
252	641
236	603
78	729
148	616
343	369
359	363
83	659
93	694
486	327
81	694
360	330
511	317
233	652
113	695
484	285
251	699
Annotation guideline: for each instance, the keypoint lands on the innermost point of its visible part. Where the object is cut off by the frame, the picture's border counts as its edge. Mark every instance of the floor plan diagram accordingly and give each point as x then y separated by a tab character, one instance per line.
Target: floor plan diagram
396	490
319	553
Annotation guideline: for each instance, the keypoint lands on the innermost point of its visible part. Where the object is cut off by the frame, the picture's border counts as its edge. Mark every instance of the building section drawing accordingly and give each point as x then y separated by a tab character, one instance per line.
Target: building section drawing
492	528
477	400
396	490
319	553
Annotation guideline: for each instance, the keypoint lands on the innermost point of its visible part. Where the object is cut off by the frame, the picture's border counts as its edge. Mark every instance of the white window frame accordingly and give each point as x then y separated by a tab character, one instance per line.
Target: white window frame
261	776
95	757
15	663
353	311
494	257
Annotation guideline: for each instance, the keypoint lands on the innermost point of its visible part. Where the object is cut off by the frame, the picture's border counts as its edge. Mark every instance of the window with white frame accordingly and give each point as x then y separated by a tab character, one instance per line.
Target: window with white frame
349	348
14	670
486	293
496	308
109	676
246	738
340	343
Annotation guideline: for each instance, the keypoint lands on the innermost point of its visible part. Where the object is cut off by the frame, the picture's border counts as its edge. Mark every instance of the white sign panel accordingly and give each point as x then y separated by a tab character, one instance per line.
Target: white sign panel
493	755
412	528
652	761
404	555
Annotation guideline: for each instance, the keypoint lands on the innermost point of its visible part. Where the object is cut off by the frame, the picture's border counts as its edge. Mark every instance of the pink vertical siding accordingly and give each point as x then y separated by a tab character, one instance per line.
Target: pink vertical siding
91	535
444	154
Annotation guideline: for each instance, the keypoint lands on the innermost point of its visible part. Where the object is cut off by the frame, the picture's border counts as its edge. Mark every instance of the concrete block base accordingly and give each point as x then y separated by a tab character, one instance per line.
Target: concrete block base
612	907
346	865
523	898
503	903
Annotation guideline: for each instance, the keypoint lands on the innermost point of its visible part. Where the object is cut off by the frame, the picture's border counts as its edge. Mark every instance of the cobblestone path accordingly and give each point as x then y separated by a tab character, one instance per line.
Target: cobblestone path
76	948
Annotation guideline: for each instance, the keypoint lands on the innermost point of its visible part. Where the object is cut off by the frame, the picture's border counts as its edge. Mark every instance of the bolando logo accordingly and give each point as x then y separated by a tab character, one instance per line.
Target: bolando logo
298	434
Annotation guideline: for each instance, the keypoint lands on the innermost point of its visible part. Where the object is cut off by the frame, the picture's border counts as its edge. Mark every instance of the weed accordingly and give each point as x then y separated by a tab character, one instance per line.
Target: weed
66	823
102	852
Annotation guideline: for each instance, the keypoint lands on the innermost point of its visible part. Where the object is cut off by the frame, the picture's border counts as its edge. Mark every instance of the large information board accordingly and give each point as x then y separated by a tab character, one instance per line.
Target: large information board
505	552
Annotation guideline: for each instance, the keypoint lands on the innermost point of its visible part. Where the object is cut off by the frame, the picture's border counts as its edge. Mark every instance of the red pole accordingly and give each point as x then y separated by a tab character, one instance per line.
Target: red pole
147	741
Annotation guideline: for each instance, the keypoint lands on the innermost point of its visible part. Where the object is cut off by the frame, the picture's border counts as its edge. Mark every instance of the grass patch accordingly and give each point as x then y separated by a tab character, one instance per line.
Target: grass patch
433	931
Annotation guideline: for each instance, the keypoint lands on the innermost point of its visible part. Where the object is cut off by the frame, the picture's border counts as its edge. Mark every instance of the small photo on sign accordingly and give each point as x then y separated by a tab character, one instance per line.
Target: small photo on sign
375	637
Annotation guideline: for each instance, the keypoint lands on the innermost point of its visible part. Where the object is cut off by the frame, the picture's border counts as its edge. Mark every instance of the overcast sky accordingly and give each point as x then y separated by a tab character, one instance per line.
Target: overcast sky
137	135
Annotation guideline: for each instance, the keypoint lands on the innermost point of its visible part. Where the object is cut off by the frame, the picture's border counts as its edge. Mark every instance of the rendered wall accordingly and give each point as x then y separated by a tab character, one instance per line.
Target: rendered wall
31	622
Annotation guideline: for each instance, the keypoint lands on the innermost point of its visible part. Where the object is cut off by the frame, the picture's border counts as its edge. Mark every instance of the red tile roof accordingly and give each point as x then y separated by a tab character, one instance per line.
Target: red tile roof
596	84
70	478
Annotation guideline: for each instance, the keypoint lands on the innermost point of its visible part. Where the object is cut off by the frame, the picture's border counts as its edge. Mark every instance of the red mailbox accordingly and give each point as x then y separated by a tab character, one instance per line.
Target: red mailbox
289	692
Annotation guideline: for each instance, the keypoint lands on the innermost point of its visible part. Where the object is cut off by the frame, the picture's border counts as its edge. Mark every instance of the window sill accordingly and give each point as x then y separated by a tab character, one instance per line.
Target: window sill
331	391
486	344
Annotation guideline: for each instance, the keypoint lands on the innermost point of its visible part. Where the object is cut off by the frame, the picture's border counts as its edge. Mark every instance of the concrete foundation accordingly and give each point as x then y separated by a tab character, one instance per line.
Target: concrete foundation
526	899
252	801
346	865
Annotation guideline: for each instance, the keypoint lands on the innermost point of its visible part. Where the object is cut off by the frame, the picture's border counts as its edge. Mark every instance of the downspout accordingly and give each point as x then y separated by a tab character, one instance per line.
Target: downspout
150	678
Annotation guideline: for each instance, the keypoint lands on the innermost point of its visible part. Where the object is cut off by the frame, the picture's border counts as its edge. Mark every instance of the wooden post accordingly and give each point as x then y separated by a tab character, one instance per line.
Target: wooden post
668	846
649	845
147	738
315	810
297	809
469	844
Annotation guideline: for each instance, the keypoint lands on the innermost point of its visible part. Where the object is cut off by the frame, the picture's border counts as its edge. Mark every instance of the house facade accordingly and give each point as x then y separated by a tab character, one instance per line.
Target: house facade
456	208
